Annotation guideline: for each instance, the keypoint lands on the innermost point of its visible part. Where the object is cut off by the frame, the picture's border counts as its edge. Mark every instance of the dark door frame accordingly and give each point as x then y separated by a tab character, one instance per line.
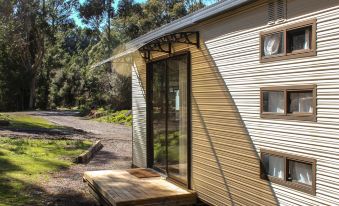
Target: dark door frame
149	120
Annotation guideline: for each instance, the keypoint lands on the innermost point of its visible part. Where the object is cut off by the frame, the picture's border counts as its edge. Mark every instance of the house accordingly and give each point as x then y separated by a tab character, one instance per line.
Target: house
239	102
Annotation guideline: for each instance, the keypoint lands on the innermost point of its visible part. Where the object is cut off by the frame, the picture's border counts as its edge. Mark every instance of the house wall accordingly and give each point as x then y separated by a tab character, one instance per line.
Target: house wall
233	46
227	131
139	112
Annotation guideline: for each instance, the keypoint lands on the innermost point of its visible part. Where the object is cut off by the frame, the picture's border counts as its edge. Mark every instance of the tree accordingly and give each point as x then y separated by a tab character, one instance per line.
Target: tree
26	20
46	59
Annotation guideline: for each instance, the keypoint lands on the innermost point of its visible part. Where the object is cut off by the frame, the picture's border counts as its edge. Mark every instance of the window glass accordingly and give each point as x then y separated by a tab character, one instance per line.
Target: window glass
300	101
300	172
298	39
274	166
273	44
273	101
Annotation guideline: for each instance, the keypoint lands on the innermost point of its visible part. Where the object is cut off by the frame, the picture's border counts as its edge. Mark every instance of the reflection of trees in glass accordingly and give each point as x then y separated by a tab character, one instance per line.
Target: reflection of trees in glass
159	88
173	146
159	147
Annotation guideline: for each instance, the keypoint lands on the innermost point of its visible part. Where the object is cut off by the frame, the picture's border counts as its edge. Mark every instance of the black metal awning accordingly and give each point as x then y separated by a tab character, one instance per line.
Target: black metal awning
164	43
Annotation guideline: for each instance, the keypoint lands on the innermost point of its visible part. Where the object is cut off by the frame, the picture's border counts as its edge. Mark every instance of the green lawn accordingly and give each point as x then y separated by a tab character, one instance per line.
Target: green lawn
23	121
25	162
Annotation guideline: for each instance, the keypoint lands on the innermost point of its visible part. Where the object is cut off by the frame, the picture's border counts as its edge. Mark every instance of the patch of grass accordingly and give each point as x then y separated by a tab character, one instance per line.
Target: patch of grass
118	117
25	162
24	121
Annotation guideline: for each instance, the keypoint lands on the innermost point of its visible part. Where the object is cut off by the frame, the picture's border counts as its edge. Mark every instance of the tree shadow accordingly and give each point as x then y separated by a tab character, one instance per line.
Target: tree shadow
221	141
34	130
65	113
34	194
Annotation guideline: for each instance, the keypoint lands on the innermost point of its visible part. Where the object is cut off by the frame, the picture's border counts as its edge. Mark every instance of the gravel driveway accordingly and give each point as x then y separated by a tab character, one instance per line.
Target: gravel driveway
66	188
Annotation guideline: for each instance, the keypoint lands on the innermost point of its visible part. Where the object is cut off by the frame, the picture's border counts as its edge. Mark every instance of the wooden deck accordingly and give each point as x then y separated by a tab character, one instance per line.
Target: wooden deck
120	188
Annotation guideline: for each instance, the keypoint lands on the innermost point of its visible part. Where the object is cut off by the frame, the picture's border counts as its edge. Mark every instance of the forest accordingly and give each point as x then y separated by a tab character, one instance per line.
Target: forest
46	58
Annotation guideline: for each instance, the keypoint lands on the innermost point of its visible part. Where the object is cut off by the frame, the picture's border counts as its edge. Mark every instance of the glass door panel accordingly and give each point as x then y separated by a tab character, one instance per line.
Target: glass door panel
177	117
159	115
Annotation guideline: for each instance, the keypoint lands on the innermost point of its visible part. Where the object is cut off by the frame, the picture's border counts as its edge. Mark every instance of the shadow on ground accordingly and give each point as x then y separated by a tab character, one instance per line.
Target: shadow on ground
32	194
65	113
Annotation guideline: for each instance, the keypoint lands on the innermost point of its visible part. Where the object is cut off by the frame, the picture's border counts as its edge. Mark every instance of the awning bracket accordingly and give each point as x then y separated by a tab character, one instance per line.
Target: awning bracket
164	43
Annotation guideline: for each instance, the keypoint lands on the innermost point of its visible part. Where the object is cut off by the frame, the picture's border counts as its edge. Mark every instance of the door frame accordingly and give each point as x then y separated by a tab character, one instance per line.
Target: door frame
149	120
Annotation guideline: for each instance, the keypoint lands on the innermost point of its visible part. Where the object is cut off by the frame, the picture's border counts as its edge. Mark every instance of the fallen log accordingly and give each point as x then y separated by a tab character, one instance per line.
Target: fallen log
85	157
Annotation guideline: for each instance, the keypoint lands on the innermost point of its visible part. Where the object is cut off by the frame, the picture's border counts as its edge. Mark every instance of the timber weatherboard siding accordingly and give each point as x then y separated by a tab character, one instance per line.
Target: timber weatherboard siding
227	131
139	113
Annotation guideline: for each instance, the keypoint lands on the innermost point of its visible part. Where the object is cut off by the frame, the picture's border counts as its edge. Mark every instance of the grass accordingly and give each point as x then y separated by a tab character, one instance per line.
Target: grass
25	162
24	121
118	117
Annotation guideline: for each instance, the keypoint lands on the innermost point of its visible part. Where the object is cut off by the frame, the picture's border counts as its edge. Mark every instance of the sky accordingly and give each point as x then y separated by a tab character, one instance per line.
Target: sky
76	18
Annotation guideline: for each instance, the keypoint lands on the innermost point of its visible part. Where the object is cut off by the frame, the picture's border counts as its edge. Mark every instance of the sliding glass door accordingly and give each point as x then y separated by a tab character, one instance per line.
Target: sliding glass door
169	116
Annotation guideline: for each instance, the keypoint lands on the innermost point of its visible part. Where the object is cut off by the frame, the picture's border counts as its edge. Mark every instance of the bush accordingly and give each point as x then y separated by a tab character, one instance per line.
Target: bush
84	110
109	116
4	117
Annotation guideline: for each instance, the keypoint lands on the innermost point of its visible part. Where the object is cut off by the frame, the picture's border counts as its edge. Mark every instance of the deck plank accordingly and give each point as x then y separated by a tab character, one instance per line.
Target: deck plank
120	188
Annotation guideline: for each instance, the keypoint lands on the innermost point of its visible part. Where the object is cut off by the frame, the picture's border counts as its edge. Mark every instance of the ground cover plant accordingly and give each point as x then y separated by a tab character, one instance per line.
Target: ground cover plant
111	116
26	162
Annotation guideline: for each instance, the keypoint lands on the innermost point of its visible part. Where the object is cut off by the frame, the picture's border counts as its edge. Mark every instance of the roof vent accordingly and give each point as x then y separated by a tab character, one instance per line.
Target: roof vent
276	12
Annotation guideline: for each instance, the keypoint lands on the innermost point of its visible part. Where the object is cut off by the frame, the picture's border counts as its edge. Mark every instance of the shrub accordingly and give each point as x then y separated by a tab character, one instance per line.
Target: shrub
109	116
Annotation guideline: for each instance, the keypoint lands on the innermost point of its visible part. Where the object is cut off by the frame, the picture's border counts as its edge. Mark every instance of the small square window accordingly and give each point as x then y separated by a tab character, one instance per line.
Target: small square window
274	166
273	101
300	102
300	172
299	39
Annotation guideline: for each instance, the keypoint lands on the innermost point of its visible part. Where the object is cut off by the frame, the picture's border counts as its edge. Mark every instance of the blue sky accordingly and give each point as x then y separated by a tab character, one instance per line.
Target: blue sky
78	22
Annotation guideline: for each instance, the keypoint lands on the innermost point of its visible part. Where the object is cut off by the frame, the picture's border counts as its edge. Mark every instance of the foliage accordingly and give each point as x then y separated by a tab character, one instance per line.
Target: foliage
4	117
118	117
173	147
46	59
25	162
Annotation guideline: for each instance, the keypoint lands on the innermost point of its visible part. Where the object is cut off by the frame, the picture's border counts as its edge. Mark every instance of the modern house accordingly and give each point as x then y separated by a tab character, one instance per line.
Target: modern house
239	102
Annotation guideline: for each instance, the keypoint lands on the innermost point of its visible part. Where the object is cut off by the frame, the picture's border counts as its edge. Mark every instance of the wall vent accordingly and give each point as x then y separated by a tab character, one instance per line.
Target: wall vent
271	12
276	12
281	11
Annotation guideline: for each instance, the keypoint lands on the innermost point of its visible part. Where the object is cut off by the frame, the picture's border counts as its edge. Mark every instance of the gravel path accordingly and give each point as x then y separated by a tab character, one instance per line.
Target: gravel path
66	188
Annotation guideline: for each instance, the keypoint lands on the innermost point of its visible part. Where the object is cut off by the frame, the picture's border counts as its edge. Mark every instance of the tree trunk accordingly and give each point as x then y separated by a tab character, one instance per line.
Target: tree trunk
31	105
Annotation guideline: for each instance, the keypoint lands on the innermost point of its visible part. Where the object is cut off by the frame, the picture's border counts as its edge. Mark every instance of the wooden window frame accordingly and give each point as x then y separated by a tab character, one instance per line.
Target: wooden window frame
310	189
294	54
290	116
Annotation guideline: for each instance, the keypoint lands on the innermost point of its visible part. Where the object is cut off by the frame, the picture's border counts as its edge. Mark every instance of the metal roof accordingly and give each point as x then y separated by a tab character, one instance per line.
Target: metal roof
179	24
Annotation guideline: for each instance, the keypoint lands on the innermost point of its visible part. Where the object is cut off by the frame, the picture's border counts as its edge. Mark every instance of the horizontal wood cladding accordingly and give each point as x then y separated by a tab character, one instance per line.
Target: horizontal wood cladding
139	112
227	130
226	166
